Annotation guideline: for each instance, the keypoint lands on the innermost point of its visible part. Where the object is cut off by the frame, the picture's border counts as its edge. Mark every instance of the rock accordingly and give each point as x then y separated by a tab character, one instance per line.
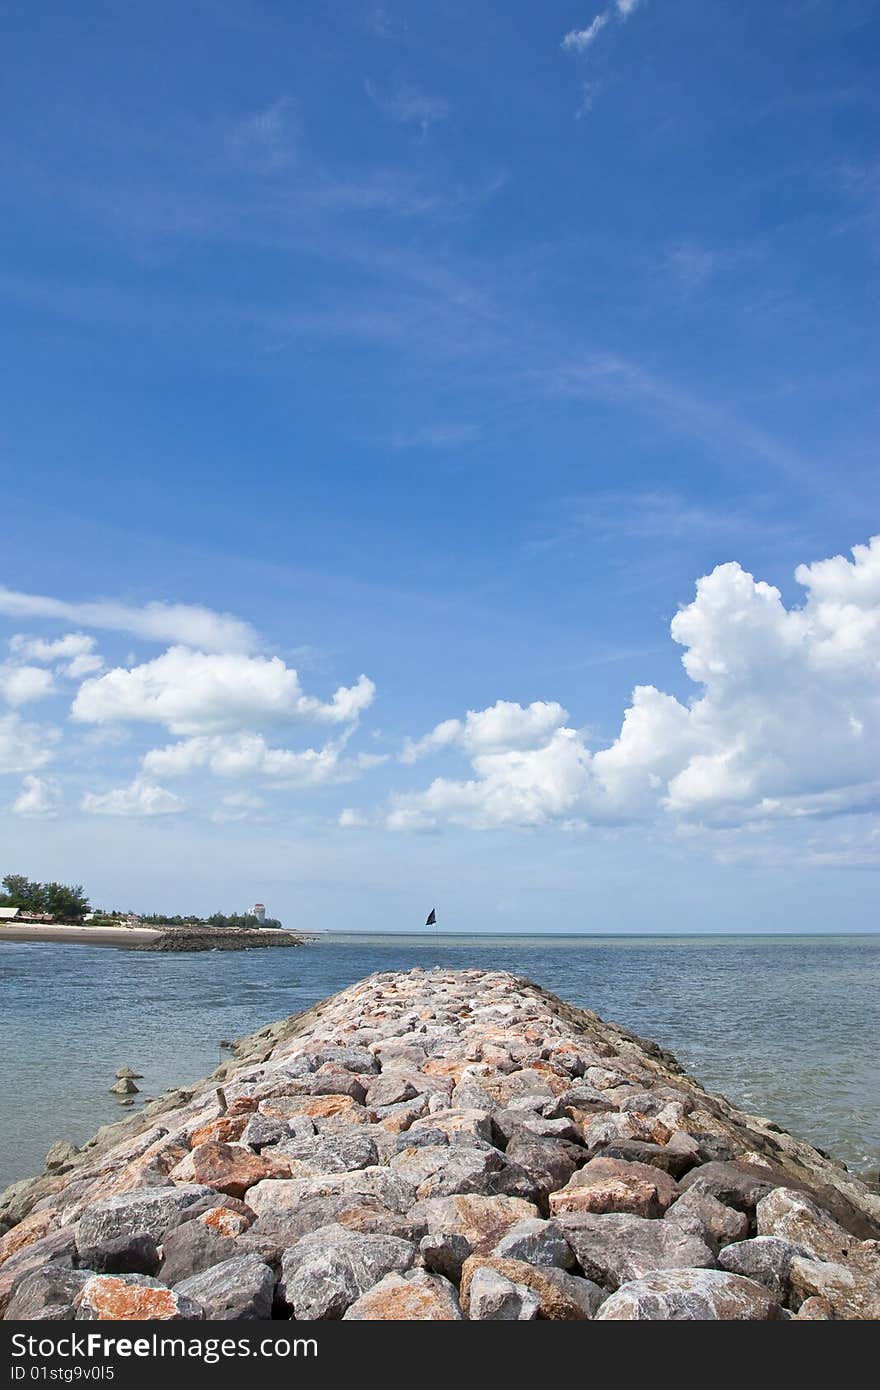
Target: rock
126	1073
391	1088
493	1298
330	1153
226	1129
124	1254
225	1221
550	1162
672	1160
538	1243
561	1297
740	1185
192	1247
358	1060
229	1168
766	1259
148	1212
333	1080
851	1290
445	1253
815	1310
617	1248
124	1087
326	1271
711	1221
46	1294
420	1138
132	1298
262	1130
61	1156
684	1295
792	1216
610	1184
477	1123
238	1288
483	1220
414	1297
56	1248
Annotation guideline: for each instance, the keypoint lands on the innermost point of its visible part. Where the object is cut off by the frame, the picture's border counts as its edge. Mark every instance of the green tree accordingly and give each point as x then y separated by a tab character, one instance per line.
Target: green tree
65	900
21	892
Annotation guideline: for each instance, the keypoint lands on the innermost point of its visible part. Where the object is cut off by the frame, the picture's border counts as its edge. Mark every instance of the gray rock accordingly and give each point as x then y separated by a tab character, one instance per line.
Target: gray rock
740	1185
332	1153
537	1242
766	1259
124	1087
791	1215
326	1271
125	1254
354	1059
416	1296
262	1130
147	1212
421	1138
670	1160
238	1288
615	1248
496	1299
46	1294
391	1088
705	1217
334	1080
61	1156
686	1295
652	1102
192	1247
444	1252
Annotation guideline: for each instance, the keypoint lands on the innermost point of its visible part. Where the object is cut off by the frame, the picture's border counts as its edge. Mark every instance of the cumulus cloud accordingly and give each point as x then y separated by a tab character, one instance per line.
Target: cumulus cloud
140	798
193	692
188	624
39	799
24	747
21	684
504	725
249	755
785	722
74	653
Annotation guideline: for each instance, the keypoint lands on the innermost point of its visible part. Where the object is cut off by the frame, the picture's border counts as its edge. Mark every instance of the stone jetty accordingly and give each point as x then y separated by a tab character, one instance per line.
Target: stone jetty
442	1145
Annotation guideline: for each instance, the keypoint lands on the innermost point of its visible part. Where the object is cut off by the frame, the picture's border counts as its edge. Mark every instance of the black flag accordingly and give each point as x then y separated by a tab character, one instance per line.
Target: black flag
432	919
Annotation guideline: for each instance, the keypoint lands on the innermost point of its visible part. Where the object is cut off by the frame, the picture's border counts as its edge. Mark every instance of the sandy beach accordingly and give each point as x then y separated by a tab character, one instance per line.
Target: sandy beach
93	936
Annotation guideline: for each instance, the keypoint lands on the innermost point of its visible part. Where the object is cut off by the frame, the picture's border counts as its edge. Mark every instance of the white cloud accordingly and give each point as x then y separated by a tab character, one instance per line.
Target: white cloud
625	7
409	106
196	693
189	624
579	40
785	723
20	684
39	799
24	747
249	755
236	806
141	798
504	725
74	652
350	819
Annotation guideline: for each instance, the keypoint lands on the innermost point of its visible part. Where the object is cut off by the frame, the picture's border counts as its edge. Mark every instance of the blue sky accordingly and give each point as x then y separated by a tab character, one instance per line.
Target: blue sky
447	347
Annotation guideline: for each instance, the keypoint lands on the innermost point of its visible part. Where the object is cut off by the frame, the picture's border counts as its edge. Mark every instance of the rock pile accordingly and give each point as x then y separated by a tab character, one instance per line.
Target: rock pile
442	1145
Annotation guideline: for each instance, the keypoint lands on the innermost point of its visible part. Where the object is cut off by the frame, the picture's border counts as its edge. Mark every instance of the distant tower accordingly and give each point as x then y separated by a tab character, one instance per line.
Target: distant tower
259	911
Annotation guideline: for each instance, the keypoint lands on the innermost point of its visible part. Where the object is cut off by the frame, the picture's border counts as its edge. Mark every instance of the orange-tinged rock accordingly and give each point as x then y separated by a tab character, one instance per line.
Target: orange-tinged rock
224	1221
632	1195
226	1128
108	1298
556	1304
420	1298
316	1107
245	1105
32	1228
228	1168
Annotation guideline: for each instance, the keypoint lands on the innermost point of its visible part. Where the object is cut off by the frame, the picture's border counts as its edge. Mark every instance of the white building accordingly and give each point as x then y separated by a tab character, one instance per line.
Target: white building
259	911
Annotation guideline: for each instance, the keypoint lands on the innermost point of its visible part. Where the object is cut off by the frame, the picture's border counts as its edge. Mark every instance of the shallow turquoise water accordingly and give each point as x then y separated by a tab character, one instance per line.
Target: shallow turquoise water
785	1026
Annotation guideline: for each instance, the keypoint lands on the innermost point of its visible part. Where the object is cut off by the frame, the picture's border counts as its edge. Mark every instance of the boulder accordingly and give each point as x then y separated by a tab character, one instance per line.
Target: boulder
671	1159
766	1259
238	1288
61	1156
561	1297
851	1290
714	1223
494	1298
392	1088
617	1248
132	1298
46	1294
611	1184
445	1253
192	1247
229	1168
124	1254
537	1242
417	1296
147	1212
57	1248
740	1185
794	1217
483	1220
327	1270
686	1295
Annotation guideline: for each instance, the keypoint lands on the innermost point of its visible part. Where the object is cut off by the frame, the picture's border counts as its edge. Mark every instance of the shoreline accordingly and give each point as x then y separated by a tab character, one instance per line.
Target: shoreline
95	936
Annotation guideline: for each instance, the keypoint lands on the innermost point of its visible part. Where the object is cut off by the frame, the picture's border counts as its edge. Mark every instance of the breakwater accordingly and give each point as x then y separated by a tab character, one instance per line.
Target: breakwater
438	1145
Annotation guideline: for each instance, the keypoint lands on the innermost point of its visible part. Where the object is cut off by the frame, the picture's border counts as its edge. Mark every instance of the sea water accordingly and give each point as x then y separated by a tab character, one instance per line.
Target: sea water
787	1027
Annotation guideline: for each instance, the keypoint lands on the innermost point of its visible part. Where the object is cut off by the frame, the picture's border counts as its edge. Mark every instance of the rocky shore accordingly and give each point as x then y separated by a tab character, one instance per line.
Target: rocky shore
218	939
442	1146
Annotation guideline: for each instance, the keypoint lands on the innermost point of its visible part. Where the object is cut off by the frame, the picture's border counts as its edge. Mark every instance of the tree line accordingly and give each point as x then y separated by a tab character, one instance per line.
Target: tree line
53	899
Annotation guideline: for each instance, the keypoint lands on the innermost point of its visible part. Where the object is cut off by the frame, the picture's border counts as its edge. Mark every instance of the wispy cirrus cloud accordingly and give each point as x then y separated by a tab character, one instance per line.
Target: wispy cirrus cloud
580	40
192	624
408	105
